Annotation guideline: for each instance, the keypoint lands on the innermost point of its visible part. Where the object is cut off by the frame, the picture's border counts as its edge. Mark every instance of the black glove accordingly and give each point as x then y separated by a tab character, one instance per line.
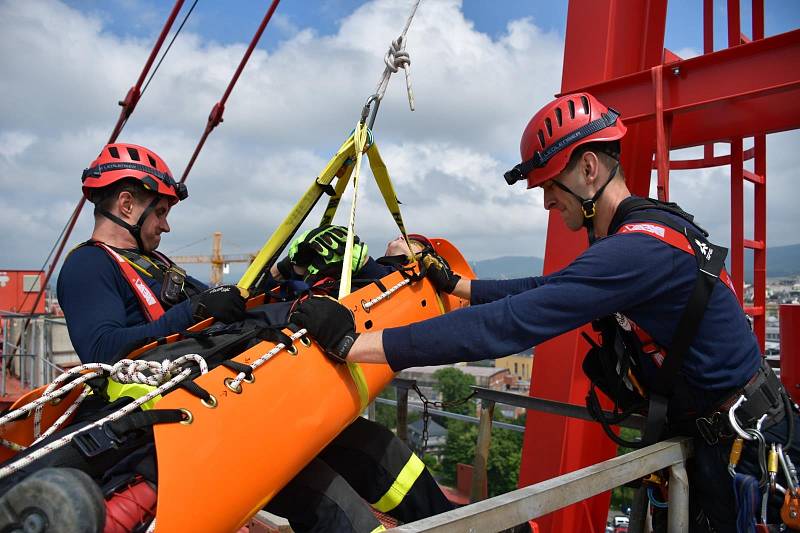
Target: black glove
438	272
225	303
330	323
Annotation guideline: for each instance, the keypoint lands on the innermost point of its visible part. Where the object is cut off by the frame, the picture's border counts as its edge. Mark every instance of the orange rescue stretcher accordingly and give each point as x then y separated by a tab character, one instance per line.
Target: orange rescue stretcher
222	464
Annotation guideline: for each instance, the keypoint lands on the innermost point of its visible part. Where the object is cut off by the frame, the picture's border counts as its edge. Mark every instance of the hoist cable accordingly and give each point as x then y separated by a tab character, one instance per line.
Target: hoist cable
215	117
169	46
128	105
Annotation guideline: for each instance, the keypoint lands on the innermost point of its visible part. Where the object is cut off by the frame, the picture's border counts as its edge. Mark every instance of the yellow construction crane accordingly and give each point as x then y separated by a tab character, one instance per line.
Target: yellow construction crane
217	260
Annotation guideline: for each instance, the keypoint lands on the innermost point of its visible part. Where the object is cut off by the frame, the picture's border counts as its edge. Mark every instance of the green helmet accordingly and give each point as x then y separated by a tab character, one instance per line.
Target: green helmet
321	251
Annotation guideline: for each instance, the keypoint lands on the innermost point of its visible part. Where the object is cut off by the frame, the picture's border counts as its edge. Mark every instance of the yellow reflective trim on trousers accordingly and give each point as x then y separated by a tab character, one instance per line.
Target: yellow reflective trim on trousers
361	384
402	484
296	216
379	528
116	390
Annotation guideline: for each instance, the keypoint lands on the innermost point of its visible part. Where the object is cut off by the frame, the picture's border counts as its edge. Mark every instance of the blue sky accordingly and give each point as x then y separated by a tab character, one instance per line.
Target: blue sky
236	20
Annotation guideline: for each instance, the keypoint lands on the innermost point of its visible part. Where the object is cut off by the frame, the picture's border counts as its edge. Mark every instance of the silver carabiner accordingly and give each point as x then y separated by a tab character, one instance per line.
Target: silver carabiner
735	423
369	111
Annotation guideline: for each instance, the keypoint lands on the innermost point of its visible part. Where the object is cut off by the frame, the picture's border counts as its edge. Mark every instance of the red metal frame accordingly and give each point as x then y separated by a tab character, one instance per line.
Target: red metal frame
614	49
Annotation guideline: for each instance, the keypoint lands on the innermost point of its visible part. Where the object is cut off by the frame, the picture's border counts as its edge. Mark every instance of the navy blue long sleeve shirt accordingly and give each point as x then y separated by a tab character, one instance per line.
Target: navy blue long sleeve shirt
103	314
638	275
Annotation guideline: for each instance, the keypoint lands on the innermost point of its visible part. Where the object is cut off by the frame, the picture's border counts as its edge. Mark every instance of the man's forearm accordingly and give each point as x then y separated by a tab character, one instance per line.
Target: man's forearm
368	348
463	288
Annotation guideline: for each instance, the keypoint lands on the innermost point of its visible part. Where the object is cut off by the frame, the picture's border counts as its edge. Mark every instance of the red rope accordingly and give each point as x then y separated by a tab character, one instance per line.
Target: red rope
128	105
215	117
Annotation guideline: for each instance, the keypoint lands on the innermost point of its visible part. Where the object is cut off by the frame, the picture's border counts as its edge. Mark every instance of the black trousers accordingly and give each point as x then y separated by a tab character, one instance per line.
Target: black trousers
334	492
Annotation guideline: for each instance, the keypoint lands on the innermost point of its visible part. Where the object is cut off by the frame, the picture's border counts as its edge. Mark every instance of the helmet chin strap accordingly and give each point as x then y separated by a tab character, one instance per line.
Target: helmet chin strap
136	229
589	206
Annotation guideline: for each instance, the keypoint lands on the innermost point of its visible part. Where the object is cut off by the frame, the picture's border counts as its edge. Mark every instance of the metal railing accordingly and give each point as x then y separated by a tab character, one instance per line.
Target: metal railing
533	501
519	506
34	362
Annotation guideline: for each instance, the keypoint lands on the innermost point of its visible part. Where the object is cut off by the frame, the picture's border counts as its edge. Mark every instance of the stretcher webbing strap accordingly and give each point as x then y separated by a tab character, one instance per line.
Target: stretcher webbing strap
286	230
360	139
401	485
333	203
384	183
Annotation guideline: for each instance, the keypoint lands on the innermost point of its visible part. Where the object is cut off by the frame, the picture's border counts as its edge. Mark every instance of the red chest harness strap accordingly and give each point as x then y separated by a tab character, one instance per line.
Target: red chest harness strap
147	299
672	237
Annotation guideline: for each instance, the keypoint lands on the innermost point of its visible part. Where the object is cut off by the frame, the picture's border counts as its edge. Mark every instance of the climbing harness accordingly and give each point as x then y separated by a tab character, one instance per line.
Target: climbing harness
613	366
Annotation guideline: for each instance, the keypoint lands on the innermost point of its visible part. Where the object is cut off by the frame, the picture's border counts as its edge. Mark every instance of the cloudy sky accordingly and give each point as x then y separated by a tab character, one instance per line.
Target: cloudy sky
479	72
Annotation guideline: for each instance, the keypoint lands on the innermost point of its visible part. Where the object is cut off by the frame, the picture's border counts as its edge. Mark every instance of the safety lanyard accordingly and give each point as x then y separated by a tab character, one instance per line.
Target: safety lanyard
147	299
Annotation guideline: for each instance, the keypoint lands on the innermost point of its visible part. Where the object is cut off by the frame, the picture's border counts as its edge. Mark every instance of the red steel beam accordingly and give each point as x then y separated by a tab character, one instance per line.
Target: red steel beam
711	99
605	39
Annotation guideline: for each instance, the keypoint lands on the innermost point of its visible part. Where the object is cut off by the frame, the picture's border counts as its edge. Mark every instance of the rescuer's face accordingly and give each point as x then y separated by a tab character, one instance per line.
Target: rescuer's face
560	200
155	224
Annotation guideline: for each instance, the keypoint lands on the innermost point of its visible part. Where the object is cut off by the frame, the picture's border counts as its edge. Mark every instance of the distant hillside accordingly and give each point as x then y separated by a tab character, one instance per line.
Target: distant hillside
508	267
781	261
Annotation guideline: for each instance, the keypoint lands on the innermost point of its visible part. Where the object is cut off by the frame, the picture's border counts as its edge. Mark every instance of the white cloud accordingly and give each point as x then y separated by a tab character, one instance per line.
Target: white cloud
290	111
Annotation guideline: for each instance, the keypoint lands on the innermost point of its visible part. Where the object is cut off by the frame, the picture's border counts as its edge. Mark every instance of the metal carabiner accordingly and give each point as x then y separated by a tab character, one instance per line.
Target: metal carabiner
735	423
369	111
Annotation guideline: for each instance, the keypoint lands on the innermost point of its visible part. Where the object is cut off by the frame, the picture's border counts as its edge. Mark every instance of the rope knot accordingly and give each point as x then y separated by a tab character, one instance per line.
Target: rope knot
397	57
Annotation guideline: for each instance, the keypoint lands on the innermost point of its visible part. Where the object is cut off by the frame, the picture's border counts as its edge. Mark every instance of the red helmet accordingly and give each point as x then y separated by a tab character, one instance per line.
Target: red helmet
120	161
556	130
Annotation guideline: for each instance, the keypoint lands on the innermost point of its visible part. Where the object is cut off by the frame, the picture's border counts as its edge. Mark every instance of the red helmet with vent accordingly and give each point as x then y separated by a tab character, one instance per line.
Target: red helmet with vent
556	130
129	161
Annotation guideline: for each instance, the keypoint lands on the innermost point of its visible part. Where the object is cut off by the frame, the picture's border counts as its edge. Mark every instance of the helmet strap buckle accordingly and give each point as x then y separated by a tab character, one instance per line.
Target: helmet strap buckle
589	208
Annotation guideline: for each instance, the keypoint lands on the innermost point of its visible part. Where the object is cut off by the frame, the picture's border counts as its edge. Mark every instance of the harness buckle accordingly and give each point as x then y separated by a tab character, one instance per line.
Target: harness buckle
96	441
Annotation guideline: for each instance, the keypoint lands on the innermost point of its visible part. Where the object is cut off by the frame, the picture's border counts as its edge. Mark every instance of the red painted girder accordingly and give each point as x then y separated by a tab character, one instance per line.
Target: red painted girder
745	90
605	39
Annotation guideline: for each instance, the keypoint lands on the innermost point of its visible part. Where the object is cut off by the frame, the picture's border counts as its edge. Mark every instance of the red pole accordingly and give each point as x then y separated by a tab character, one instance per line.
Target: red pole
128	105
215	117
132	98
737	218
790	349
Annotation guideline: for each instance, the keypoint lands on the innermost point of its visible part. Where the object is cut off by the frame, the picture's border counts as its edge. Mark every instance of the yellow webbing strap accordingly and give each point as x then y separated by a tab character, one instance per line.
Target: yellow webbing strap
116	390
296	216
360	139
402	484
333	202
387	189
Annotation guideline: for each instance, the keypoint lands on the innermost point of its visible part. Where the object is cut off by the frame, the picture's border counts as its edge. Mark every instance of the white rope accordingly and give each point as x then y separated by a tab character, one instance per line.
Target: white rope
237	381
382	296
66	439
124	371
398	58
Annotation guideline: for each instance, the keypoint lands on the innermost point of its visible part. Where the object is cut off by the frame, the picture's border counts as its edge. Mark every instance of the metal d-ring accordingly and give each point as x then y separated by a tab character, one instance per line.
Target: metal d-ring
735	423
237	389
189	418
250	379
305	341
292	349
211	403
